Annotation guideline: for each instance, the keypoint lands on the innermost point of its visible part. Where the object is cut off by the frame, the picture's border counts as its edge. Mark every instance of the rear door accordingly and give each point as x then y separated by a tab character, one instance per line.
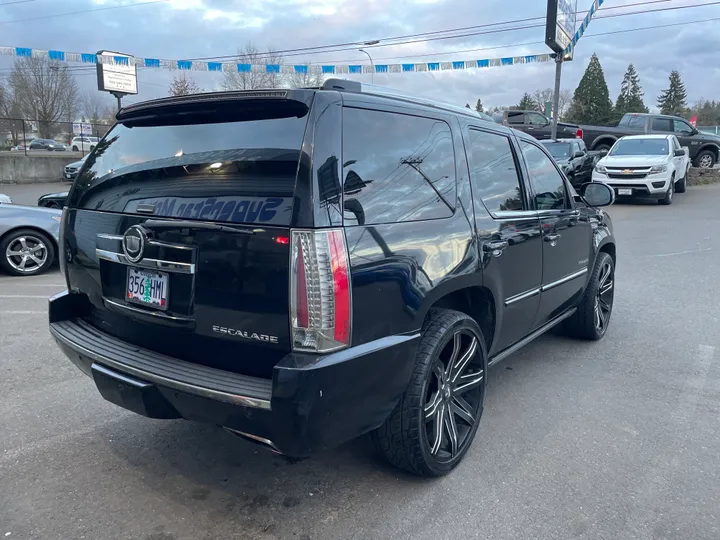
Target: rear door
509	232
566	235
537	125
179	229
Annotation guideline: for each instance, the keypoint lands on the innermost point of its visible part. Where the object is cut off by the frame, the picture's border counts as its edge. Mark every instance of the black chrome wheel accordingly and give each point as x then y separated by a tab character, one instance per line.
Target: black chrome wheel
604	297
454	395
432	427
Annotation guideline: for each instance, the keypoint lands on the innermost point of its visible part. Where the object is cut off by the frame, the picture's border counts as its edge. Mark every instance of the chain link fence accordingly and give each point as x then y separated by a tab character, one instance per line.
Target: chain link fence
33	137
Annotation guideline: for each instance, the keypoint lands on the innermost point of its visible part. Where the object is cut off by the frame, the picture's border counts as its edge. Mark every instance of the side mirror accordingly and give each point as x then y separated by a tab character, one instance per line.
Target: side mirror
597	194
679	153
694	132
579	153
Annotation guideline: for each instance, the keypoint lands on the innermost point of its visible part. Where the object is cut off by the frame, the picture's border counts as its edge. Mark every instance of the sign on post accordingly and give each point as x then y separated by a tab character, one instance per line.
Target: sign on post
118	77
560	24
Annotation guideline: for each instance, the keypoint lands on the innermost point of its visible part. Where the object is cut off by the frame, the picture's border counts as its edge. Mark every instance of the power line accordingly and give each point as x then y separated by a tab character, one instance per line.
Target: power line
17	2
84	11
353	44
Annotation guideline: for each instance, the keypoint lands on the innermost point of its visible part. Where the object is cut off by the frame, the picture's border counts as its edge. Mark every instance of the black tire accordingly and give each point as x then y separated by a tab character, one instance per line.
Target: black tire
668	198
583	323
681	185
92	148
75	149
602	146
11	263
704	160
405	437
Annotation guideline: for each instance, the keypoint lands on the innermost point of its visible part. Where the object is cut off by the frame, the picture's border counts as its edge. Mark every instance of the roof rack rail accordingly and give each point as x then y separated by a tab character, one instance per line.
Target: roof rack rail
346	85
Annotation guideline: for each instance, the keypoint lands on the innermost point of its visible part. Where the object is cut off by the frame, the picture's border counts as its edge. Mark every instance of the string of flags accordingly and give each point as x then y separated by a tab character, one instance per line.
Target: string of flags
328	69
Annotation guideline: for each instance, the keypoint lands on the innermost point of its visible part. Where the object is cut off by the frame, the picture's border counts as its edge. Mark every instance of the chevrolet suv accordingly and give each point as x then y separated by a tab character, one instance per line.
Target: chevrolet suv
305	266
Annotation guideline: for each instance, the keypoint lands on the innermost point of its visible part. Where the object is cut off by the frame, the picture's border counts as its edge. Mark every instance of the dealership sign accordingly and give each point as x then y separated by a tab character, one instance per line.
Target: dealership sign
80	128
116	73
560	24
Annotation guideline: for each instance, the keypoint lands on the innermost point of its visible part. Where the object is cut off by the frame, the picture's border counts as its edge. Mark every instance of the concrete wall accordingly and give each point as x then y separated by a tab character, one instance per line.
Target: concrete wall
23	169
698	177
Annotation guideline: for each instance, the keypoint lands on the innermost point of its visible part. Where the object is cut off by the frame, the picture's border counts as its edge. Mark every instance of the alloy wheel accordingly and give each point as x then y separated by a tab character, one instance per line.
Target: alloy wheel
604	297
26	254
705	161
454	396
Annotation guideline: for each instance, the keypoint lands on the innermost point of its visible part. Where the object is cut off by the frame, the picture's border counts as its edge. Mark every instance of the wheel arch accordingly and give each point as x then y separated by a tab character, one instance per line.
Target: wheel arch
712	148
467	296
607	139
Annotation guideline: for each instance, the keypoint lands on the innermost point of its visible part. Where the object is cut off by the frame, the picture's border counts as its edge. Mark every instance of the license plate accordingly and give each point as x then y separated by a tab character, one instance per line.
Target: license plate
624	191
147	288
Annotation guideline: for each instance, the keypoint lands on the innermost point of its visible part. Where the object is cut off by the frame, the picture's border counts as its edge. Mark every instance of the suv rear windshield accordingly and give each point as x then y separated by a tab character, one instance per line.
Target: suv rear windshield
238	166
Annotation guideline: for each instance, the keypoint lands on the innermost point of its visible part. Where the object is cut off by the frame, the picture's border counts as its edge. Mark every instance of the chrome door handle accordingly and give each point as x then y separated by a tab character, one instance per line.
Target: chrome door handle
495	247
552	238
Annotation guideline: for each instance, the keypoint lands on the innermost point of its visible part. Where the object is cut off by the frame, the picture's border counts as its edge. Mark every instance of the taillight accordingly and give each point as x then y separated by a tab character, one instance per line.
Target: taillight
579	134
320	304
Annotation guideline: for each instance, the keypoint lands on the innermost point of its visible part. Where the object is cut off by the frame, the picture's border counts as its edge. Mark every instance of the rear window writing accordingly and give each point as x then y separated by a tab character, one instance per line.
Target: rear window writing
239	172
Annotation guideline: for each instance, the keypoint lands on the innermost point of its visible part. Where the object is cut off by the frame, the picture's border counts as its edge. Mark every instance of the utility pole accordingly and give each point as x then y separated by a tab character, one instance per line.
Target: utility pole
119	96
556	95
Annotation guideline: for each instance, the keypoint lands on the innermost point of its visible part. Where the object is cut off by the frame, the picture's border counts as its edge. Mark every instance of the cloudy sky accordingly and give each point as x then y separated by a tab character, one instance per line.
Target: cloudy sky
182	29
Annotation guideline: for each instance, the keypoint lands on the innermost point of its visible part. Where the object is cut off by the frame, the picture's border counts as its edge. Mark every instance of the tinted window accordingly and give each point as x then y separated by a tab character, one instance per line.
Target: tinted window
546	181
396	167
234	163
493	172
536	119
635	122
662	124
514	118
681	127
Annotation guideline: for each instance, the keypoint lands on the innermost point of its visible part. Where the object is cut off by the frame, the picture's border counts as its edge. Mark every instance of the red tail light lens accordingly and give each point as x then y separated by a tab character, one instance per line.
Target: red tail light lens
320	308
579	134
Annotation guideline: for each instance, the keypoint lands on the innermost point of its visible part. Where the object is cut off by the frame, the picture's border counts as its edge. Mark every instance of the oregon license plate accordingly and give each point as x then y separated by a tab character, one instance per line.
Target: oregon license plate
147	287
624	191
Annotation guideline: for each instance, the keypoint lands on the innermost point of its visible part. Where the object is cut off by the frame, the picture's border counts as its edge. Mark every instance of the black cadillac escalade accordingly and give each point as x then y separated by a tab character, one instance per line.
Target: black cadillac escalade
305	266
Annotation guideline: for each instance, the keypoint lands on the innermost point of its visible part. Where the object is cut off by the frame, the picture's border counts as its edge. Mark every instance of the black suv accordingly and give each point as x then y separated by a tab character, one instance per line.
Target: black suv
305	266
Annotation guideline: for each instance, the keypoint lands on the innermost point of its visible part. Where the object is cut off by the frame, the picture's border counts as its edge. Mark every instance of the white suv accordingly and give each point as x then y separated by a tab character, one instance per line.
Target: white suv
645	166
83	144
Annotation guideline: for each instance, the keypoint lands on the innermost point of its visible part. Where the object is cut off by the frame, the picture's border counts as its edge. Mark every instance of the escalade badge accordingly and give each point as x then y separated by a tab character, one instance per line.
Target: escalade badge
133	243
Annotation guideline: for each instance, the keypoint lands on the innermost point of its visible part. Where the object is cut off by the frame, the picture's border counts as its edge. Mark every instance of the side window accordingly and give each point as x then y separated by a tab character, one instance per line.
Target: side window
546	181
676	144
574	147
635	122
493	172
681	127
662	124
396	167
514	118
535	119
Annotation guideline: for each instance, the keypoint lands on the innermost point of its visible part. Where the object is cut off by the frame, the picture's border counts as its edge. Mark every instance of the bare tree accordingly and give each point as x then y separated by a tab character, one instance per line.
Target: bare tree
10	122
564	102
45	90
182	85
94	106
256	77
547	94
309	79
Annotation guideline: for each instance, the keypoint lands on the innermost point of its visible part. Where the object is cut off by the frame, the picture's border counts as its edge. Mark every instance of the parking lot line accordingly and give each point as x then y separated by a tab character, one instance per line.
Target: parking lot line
24	296
26	312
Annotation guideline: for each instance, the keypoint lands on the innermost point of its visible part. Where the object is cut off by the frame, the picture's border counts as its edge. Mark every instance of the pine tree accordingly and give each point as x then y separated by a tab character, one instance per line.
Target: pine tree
479	106
630	99
182	85
673	100
591	102
467	105
527	103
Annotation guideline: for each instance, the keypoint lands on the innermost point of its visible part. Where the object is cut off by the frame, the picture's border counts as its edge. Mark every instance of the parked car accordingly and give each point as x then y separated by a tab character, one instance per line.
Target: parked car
574	159
703	147
83	144
29	239
71	169
645	166
18	148
53	200
402	289
536	124
5	199
46	144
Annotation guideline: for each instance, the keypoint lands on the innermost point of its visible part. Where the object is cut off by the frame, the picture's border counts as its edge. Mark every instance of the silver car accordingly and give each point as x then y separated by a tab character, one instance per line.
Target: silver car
29	238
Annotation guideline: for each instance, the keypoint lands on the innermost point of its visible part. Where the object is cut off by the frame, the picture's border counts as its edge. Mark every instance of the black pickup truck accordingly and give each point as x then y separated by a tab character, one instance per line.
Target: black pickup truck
574	159
536	124
704	147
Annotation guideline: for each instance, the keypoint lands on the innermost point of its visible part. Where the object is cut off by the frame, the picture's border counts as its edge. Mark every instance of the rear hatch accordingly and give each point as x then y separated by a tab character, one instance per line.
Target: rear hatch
178	228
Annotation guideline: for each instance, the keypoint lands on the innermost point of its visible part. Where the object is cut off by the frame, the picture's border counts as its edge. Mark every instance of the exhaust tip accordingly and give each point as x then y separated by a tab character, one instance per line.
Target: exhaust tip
267	443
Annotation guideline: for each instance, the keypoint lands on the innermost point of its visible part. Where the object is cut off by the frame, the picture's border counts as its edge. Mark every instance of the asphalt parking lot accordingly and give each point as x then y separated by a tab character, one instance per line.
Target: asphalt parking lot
611	440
